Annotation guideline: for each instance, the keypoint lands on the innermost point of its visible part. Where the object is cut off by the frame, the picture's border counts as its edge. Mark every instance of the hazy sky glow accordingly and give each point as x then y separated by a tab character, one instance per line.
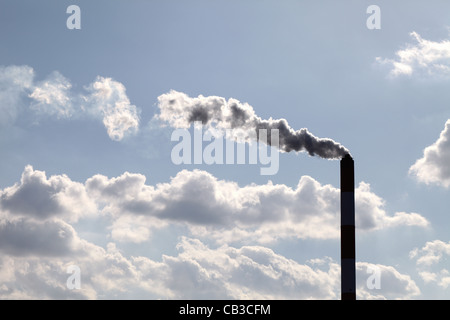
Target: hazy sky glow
86	137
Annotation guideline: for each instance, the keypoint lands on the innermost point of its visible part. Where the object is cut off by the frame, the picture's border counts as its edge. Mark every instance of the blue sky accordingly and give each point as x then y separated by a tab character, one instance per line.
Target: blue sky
87	164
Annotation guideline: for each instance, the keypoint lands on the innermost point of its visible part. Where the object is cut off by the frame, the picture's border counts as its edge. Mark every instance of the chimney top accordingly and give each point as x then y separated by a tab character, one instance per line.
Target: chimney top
347	157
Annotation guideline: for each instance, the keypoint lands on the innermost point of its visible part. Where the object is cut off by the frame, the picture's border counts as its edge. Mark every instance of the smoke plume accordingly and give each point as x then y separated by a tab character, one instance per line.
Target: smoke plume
180	111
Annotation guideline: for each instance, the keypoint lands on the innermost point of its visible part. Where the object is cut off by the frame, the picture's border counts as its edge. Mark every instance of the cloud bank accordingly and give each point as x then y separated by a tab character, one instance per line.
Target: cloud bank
196	272
223	254
208	207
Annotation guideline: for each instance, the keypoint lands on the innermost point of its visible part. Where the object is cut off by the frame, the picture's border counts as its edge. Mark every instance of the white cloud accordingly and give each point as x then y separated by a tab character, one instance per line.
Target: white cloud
36	278
35	255
108	98
440	278
44	277
224	211
133	229
428	276
392	283
249	272
425	58
16	77
196	272
371	215
21	237
208	207
41	198
431	262
38	239
434	166
51	96
15	81
431	253
407	219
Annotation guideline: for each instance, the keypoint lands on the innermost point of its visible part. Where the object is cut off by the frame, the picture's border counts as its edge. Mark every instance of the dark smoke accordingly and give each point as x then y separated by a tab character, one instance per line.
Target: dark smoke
181	110
303	140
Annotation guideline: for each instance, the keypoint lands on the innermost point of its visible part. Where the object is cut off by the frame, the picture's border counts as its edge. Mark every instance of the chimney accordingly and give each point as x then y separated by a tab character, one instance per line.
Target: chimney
348	270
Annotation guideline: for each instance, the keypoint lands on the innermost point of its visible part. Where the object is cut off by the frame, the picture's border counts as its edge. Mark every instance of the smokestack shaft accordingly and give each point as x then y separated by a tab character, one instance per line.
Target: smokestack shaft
348	270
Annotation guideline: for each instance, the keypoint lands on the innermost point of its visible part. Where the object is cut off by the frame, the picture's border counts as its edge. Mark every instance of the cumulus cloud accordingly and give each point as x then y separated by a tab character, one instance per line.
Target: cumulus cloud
38	238
249	272
372	215
434	166
44	276
21	237
35	256
41	198
196	272
210	208
392	283
133	229
440	277
431	253
424	58
430	259
104	98
225	211
36	278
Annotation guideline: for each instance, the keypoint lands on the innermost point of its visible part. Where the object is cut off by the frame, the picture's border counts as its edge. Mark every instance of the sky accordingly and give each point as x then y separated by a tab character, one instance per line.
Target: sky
102	172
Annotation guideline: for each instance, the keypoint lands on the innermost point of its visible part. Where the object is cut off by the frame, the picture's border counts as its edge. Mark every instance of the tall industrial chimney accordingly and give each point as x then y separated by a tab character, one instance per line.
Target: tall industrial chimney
348	270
